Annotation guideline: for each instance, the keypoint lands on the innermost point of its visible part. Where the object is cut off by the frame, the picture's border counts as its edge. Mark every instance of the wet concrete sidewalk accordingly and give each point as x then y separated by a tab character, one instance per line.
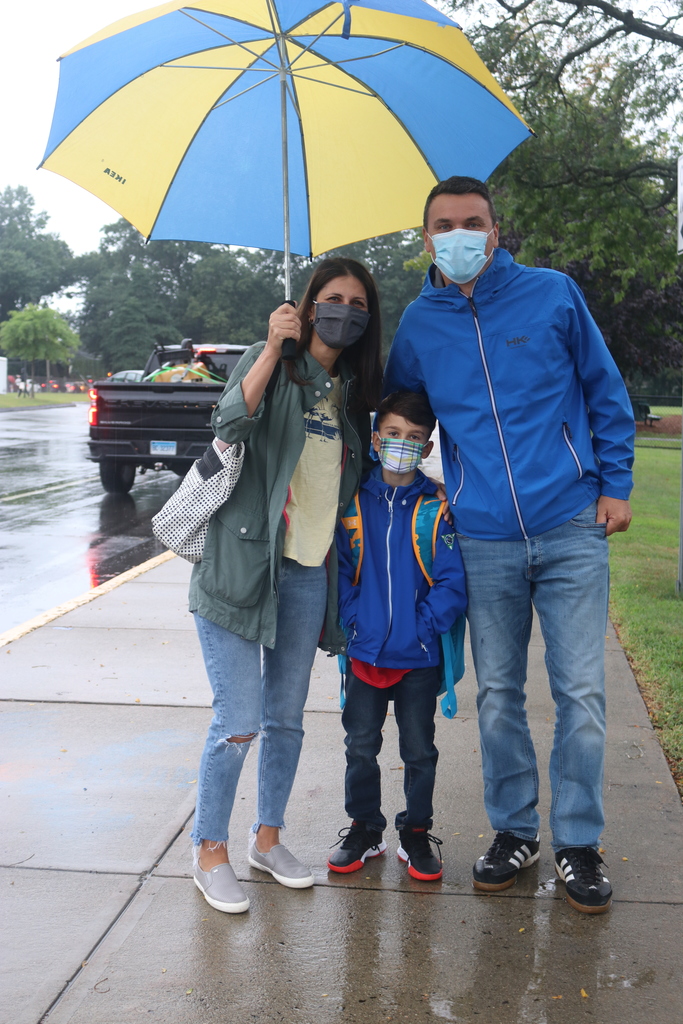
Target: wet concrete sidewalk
104	713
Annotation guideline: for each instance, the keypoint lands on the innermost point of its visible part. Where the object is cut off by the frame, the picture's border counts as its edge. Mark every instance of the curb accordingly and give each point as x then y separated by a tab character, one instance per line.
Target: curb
76	602
41	405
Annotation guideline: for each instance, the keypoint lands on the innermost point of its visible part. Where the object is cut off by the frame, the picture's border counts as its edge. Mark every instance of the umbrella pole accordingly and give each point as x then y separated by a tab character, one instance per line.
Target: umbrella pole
289	344
285	183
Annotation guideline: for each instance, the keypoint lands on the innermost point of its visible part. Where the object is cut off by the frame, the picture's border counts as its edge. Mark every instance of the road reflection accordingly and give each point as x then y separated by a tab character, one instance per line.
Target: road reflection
60	533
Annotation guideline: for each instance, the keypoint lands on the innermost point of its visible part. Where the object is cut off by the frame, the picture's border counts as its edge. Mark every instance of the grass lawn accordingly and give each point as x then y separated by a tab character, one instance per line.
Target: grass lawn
644	607
13	401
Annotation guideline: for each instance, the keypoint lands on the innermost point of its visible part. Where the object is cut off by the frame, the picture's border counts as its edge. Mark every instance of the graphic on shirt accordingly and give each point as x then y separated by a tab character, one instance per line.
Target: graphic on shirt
321	425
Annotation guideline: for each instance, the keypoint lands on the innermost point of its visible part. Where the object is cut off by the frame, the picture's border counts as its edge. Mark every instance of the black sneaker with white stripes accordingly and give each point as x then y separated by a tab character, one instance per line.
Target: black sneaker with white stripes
498	868
587	888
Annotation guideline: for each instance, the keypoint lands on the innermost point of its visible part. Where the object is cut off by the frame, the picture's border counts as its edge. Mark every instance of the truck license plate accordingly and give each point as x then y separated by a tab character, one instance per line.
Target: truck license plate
162	447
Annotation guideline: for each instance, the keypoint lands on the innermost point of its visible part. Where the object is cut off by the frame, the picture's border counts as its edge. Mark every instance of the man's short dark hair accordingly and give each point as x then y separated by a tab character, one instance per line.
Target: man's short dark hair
459	186
411	405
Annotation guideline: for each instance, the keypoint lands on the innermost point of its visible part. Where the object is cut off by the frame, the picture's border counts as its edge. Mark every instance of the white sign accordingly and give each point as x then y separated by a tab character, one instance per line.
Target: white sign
680	206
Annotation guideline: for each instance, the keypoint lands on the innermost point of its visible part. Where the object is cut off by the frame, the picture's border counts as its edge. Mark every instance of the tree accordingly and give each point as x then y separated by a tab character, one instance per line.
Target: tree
593	194
130	296
33	263
37	332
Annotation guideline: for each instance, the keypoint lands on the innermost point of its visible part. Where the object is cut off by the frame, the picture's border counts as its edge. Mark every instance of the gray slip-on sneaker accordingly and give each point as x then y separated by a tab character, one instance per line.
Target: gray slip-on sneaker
221	890
282	865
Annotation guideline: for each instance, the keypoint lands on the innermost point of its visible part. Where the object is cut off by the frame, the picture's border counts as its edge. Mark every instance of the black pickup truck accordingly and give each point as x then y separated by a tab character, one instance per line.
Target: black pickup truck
162	421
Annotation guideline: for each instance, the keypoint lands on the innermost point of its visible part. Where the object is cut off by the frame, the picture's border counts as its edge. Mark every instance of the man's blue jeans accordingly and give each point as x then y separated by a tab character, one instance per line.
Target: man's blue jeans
564	574
414	698
252	694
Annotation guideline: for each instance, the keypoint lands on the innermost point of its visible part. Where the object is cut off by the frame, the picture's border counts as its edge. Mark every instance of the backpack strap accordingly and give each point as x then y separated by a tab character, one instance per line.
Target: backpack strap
427	515
353	523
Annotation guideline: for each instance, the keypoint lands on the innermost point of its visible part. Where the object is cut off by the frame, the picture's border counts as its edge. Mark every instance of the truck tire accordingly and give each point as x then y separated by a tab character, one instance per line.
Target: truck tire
117	477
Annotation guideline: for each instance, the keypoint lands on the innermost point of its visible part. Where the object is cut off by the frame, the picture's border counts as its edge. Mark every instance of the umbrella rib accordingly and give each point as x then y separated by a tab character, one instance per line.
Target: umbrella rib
348	60
295	100
213	67
371	92
324	32
430	53
233	42
248	89
334	85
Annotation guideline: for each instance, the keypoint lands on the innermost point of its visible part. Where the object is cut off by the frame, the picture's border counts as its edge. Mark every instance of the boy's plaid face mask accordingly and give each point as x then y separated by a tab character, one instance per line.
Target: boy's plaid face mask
399	456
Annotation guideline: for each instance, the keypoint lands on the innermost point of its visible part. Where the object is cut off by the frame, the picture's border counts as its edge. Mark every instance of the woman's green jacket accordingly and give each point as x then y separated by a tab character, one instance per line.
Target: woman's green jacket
235	584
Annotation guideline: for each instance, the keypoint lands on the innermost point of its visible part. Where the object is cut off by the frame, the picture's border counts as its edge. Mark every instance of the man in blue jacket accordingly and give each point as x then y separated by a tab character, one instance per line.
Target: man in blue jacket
537	448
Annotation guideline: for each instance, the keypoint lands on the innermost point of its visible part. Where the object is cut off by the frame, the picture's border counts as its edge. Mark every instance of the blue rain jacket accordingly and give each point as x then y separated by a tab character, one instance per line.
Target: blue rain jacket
392	617
534	416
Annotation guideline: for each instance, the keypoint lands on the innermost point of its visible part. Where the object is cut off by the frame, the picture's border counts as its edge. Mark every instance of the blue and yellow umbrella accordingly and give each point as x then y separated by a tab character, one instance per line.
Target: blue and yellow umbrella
206	122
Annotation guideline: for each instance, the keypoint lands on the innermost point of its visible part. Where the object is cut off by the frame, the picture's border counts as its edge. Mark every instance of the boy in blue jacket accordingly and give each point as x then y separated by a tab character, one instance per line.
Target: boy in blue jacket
393	614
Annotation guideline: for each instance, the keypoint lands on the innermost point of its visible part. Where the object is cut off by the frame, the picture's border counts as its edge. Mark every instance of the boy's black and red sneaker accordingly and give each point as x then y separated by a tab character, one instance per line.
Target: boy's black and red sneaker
506	855
358	842
587	888
415	850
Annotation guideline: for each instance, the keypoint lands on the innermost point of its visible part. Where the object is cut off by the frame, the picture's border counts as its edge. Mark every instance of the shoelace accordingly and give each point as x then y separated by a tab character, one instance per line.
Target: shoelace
423	837
348	831
585	863
502	846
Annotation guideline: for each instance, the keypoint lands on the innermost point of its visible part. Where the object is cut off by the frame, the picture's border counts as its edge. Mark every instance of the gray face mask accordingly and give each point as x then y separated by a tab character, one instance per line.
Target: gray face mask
337	325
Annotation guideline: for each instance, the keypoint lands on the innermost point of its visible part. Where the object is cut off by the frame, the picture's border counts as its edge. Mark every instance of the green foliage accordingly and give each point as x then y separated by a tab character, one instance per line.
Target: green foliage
37	332
594	193
33	263
644	606
130	296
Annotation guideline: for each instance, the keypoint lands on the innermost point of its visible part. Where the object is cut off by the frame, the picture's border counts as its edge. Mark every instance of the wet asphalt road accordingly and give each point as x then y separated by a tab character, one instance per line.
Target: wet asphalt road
60	533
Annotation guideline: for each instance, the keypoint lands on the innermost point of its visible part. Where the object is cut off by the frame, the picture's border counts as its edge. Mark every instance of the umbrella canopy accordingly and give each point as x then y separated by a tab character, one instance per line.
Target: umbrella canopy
176	118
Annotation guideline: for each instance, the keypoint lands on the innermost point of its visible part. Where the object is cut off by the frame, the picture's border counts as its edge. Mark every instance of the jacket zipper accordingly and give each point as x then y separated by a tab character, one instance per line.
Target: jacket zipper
499	428
346	415
390	502
456	456
568	441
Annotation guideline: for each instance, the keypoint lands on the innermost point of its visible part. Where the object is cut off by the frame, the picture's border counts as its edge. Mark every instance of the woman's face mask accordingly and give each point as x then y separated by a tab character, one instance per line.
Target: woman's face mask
339	325
461	254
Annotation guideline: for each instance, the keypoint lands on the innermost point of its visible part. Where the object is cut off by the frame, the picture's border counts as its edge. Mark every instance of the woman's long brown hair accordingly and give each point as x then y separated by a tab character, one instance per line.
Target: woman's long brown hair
364	356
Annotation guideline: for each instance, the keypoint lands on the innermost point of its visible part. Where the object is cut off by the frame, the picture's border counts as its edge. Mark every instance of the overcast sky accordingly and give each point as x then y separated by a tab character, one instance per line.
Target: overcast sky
34	34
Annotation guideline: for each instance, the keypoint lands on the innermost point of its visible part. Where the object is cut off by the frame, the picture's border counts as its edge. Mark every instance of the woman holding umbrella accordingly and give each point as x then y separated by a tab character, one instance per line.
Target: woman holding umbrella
264	595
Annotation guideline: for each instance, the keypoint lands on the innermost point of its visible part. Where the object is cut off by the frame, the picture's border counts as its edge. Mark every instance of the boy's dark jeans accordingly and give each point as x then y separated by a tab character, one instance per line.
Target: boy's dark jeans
414	698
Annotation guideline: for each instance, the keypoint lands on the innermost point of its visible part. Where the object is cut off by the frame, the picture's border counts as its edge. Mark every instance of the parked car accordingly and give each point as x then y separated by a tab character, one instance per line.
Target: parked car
128	376
51	385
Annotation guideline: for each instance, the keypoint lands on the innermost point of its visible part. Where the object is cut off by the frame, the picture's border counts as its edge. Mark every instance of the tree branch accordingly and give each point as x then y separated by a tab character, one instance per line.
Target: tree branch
629	21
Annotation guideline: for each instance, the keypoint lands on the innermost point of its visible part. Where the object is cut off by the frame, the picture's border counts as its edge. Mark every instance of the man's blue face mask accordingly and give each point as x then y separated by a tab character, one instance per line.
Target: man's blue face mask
461	254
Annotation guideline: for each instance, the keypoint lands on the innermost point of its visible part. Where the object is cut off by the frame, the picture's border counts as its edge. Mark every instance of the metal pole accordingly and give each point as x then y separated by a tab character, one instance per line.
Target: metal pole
679	581
285	179
679	238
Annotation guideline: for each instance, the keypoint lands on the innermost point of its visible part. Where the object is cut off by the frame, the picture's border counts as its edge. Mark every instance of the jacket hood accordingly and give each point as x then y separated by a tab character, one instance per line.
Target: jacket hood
375	485
502	271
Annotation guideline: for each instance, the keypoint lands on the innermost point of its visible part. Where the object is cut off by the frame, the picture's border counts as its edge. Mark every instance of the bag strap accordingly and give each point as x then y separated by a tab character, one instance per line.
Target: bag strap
272	383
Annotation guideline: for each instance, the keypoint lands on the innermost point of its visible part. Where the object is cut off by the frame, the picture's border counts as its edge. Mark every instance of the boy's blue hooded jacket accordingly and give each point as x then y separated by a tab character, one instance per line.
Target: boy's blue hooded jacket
535	419
393	618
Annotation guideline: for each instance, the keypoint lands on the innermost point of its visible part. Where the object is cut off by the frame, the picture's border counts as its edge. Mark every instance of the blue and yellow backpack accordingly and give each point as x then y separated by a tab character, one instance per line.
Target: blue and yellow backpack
425	527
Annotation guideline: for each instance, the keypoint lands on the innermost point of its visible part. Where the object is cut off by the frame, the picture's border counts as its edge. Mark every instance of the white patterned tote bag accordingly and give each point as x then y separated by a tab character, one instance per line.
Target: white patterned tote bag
183	522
